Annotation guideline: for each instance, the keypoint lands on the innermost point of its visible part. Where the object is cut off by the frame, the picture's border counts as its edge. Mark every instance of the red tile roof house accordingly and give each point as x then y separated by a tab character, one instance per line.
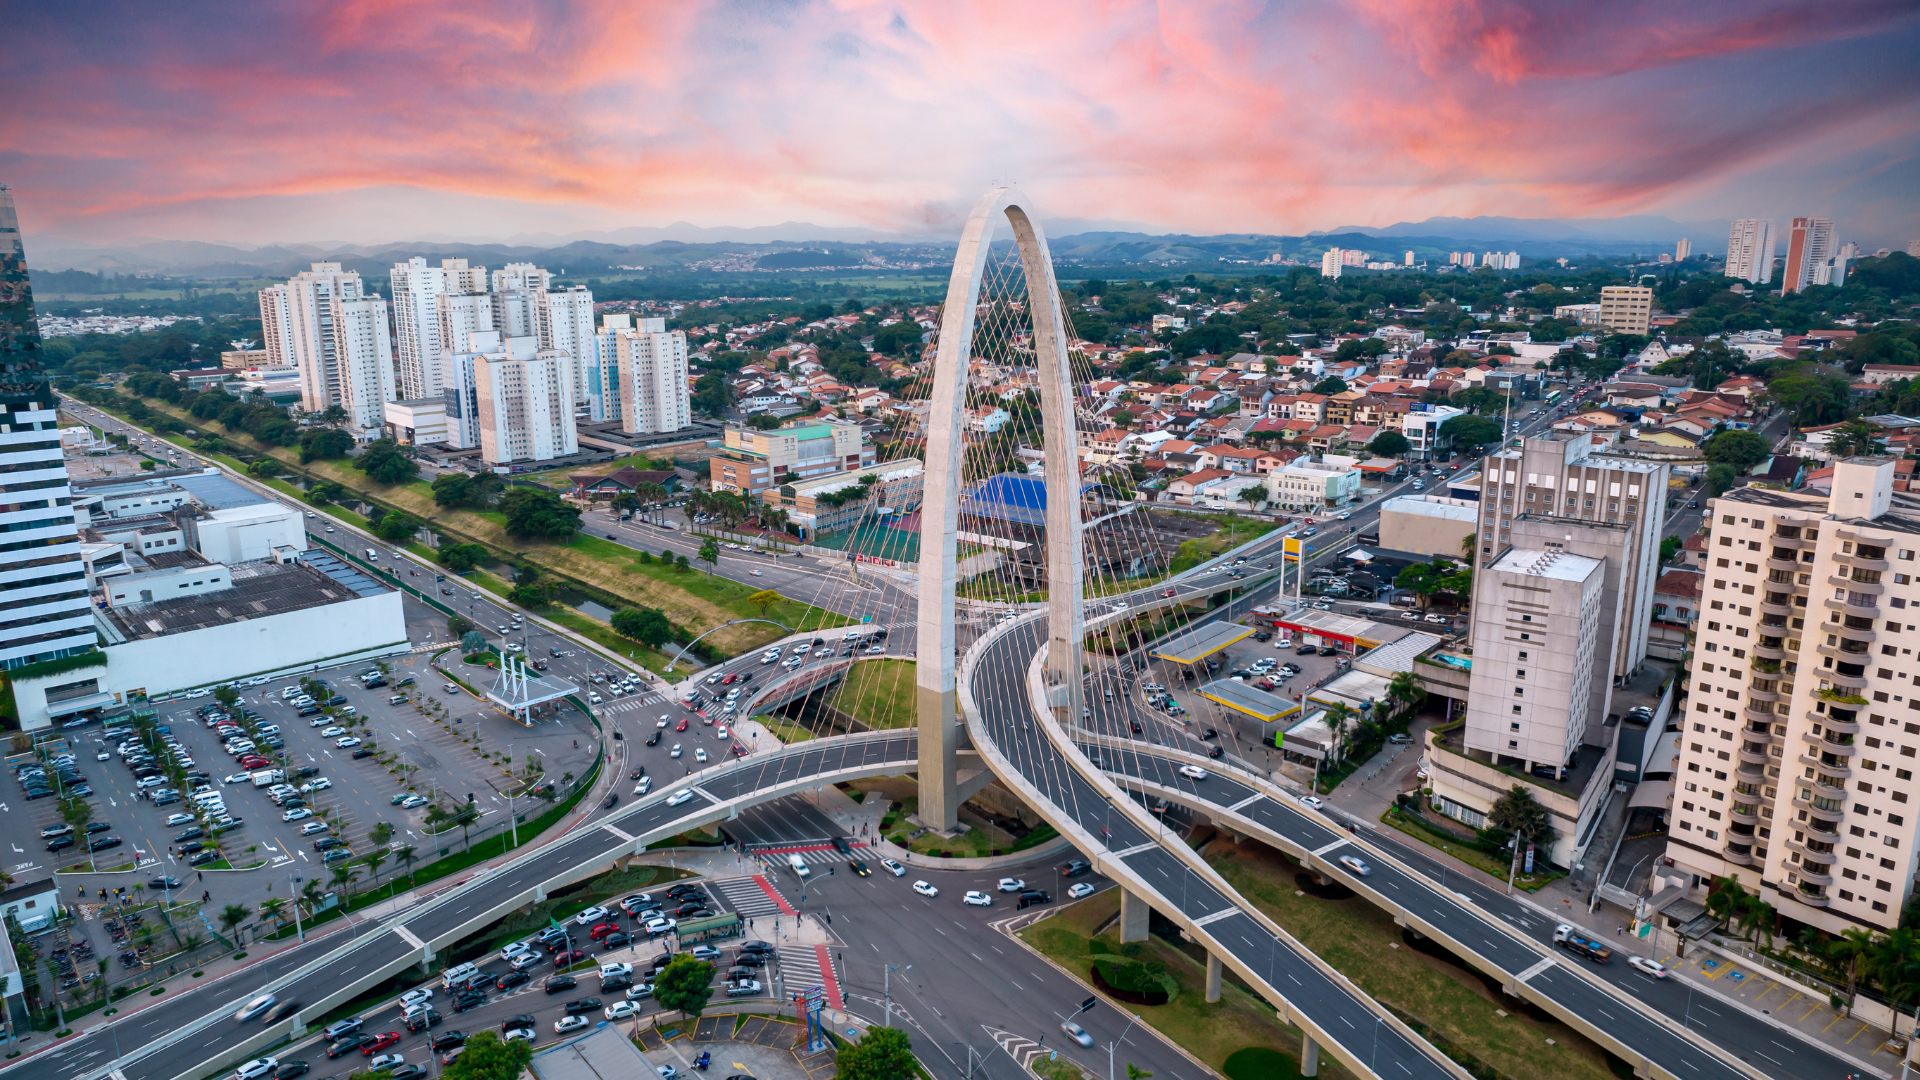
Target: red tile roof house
1201	484
1238	459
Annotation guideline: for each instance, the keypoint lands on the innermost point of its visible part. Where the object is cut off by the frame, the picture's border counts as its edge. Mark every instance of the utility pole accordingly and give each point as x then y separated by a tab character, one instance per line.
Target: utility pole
887	990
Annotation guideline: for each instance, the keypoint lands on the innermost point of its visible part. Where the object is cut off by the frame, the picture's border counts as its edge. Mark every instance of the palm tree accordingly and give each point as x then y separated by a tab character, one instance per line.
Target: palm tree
310	892
231	916
406	857
1403	689
1895	961
1852	952
1517	813
344	875
374	858
709	554
272	910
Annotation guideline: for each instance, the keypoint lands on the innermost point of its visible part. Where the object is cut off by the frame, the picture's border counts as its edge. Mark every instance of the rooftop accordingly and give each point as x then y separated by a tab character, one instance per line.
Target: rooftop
1538	562
1245	698
1586	761
259	590
1196	645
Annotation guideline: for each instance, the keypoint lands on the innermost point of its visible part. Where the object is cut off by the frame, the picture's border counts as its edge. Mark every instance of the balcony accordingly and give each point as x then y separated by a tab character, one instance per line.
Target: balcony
1760	729
1851	585
1839	724
1848	648
1797	543
1813	855
1758	692
1753	754
1783	607
1759	712
1819	783
1738	854
1821	745
1862	562
1810	895
1811	875
1840	678
1816	812
1789	565
1845	608
1764	651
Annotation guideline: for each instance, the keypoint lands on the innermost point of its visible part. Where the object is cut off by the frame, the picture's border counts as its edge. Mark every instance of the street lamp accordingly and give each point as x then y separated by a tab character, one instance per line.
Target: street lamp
887	989
1115	1044
294	881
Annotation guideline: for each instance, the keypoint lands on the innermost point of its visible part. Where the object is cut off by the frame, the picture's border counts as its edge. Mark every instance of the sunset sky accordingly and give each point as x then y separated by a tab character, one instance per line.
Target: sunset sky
362	121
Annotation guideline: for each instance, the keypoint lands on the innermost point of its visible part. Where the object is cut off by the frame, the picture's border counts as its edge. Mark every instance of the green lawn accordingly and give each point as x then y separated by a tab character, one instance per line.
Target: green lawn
1472	856
879	693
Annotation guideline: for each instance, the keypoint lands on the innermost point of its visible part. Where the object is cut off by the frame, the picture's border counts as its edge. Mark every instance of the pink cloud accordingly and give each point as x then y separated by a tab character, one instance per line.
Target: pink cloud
1228	114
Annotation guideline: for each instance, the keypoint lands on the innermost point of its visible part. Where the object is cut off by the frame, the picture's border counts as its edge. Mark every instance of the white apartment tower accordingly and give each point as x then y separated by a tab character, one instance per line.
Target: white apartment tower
276	326
417	288
341	344
654	396
521	277
1750	250
525	399
1801	726
45	612
564	321
1530	701
602	369
1683	250
1330	263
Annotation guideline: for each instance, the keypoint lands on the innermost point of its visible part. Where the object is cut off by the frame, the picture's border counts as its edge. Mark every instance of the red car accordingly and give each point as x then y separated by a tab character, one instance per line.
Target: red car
729	680
380	1042
739	751
564	957
681	726
1171	592
254	761
603	930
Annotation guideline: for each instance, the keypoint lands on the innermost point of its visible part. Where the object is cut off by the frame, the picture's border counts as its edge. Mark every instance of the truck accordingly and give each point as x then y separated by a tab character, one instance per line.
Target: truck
267	777
1579	944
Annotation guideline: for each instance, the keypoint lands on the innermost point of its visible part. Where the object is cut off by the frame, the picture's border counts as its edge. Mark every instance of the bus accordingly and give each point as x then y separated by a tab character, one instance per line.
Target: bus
1553	398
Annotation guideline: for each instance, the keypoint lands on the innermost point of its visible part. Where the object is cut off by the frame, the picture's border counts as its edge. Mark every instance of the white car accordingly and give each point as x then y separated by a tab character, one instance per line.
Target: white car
675	752
592	914
925	889
331	732
1356	864
611	971
700	753
256	1069
1193	772
680	797
645	785
385	1061
1647	966
660	723
1080	889
524	961
621	1010
1119	606
347	742
521	1034
312	827
894	868
1312	800
255	1007
518	948
415	997
1010	884
722	733
237	778
318	783
296	814
179	819
1076	1033
976	898
876	650
660	926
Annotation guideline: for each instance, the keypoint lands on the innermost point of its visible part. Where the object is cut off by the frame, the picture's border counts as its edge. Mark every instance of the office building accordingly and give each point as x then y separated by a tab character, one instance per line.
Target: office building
1801	787
1626	309
1750	250
564	320
654	395
1330	263
1809	246
524	398
1683	250
1913	248
340	342
751	461
45	613
417	288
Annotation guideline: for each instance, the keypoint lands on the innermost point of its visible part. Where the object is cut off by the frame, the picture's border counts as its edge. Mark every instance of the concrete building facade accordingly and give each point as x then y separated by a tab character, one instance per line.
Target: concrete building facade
652	370
1810	249
1626	309
341	344
1750	250
1529	702
525	403
752	461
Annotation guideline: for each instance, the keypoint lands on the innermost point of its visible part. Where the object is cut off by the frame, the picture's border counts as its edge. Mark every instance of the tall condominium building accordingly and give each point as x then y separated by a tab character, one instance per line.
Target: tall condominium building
525	398
417	288
1409	258
1683	250
460	316
462	278
521	277
1913	248
45	613
602	368
654	395
513	312
1809	246
564	320
341	344
1802	787
1750	250
1626	309
276	326
1330	263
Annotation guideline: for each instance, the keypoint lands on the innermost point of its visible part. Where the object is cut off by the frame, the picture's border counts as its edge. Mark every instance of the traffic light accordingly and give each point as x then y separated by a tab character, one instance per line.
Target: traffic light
1089	1003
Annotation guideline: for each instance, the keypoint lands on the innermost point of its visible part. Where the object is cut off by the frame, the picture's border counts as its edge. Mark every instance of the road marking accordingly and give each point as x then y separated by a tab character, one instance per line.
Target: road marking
616	832
1248	801
1330	847
1216	916
1136	849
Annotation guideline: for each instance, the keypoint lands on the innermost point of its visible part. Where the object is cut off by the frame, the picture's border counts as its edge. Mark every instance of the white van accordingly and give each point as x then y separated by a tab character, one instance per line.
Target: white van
798	865
457	974
1284	640
372	555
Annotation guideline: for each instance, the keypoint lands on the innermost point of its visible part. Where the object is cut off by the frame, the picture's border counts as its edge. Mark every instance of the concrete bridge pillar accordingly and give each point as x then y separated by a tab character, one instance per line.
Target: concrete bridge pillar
1134	913
1213	976
539	894
1309	1056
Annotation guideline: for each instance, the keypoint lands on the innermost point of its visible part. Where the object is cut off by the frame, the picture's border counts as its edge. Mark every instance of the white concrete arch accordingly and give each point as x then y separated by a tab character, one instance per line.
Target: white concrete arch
940	732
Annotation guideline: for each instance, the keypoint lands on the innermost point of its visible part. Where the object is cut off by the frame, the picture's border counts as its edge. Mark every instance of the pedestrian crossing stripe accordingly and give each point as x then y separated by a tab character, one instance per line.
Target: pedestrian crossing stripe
802	966
824	853
753	897
1018	1047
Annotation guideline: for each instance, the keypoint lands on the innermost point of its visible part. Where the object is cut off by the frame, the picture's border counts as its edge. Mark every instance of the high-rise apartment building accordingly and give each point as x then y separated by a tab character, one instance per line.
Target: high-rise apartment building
602	369
45	613
1913	248
276	326
1409	258
1683	250
1750	250
654	395
1802	720
521	277
417	288
564	321
525	399
1530	701
1626	309
1330	263
1809	246
341	344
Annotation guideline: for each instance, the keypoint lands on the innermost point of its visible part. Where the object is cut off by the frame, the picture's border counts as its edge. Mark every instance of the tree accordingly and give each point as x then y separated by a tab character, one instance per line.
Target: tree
529	596
1740	449
459	625
396	527
385	462
540	514
322	443
1389	444
1404	689
1896	965
227	696
231	916
648	626
461	558
1439	576
326	491
1330	385
485	1057
710	554
1855	438
1518	814
685	985
885	1053
263	467
1852	951
1468	431
1254	495
764	600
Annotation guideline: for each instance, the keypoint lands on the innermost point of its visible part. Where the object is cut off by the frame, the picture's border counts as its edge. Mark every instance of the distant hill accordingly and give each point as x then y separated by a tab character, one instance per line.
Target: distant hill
1621	230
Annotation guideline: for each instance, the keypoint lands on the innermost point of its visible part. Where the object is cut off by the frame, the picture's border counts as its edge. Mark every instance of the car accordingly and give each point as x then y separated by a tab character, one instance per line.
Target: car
525	961
163	884
386	1061
421	1019
894	868
675	752
521	1034
581	1005
1008	884
621	1010
296	815
743	988
179	819
591	915
859	868
340	1029
332	732
1076	1033
925	888
1356	864
976	898
1080	889
345	1046
557	983
447	1040
1648	966
255	1007
603	929
373	1044
472	999
566	957
684	795
347	742
1193	772
509	980
319	783
256	1069
1312	800
1077	867
700	753
363	752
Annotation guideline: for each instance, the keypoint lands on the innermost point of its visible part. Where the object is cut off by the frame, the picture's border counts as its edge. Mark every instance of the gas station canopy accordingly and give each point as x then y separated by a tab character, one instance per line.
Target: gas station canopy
1196	645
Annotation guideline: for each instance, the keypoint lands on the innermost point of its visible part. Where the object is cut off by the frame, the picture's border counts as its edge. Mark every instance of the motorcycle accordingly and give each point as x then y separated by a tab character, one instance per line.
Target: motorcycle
705	1059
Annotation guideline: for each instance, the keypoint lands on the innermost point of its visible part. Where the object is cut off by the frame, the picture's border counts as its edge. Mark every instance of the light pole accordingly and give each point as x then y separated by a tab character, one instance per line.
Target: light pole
1115	1044
887	989
294	881
1373	1058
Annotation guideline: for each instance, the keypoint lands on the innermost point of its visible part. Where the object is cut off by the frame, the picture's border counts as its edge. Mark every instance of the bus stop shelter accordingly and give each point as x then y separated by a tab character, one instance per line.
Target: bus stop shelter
711	928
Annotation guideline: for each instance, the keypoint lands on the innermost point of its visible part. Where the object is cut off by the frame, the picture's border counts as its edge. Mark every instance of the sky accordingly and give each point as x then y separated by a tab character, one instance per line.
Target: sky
363	121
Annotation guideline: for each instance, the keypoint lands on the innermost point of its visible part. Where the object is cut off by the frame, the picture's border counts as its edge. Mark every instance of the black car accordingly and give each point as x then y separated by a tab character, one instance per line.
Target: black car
612	800
1306	650
749	947
557	983
616	940
687	909
751	960
1328	650
840	845
447	1040
347	1045
287	1069
422	1020
1035	896
512	1022
362	752
60	843
512	979
281	1011
637	774
191	832
615	982
327	843
469	1000
680	891
653	739
406	1071
204	858
163	884
581	1005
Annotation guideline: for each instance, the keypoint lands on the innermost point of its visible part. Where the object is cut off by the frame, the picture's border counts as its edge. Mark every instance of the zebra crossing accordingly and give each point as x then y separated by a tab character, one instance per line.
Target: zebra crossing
813	854
752	897
804	966
629	703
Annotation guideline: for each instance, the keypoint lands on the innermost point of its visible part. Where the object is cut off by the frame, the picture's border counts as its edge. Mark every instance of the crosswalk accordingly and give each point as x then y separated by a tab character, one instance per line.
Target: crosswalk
753	897
806	966
631	702
815	854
